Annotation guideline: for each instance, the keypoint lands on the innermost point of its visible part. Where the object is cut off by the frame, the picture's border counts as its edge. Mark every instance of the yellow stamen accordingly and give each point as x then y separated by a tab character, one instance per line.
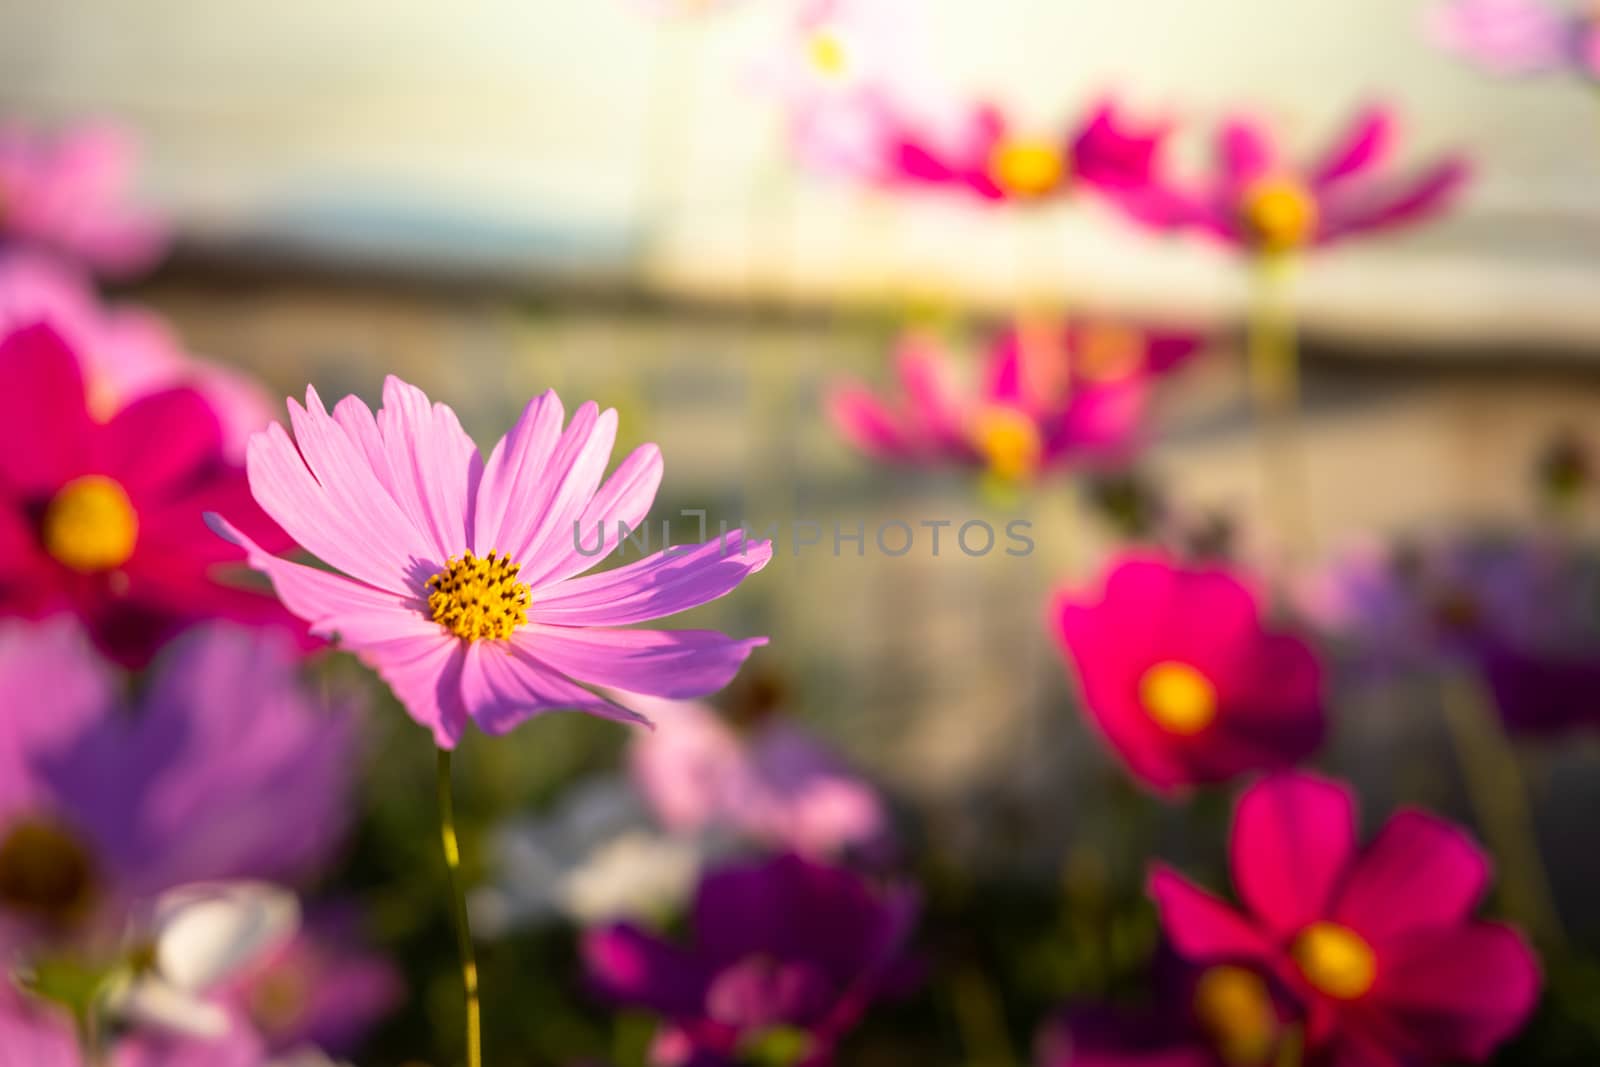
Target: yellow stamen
1027	167
1335	960
45	872
90	525
1179	698
478	599
1009	441
828	53
1235	1009
1109	353
1281	213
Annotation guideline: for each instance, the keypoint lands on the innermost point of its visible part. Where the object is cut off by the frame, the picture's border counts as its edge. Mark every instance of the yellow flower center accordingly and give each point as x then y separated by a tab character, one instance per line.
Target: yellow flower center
90	525
1335	960
1027	166
1179	698
1236	1010
1109	353
1009	442
828	54
46	873
478	599
1281	213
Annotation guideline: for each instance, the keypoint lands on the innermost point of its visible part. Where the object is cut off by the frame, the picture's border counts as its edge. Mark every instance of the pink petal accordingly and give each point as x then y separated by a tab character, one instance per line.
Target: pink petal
516	473
667	663
1293	836
434	463
427	677
44	441
160	439
625	498
1200	926
503	685
547	547
1389	207
666	583
1367	142
1244	151
924	377
1420	871
866	422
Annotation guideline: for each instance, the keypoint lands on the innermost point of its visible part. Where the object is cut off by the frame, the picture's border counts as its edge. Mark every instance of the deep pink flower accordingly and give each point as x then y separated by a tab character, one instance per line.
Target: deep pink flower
224	768
105	519
128	352
781	946
1176	668
70	192
1257	199
1025	417
776	784
1379	944
988	158
459	581
1510	37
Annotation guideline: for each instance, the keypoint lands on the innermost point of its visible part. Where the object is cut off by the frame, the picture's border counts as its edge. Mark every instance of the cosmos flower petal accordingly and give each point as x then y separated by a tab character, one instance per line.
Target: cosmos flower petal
1293	836
435	465
667	663
503	686
923	376
358	614
425	674
36	364
515	470
544	547
1368	142
79	695
624	499
866	423
1464	989
1245	151
160	439
350	523
1416	199
1201	926
633	967
206	934
1419	872
668	582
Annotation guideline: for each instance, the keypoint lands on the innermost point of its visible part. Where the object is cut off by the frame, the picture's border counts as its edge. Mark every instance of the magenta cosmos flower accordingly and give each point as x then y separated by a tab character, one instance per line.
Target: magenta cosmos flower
1023	418
127	352
69	193
783	950
774	784
105	518
459	581
1178	672
1261	201
988	158
224	768
1510	37
1379	944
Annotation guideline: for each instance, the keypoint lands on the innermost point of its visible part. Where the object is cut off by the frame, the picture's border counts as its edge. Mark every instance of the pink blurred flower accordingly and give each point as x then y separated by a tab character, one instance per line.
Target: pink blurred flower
685	8
990	159
782	948
1178	672
69	193
1511	37
1379	944
1261	201
459	581
128	352
223	768
35	1034
104	519
776	785
1025	417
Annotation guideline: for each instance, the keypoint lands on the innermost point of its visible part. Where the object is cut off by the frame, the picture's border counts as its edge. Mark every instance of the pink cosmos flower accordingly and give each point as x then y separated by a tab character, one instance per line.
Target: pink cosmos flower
69	193
1510	37
990	159
127	352
1261	201
1024	418
1379	944
1178	672
776	784
459	578
34	1034
104	519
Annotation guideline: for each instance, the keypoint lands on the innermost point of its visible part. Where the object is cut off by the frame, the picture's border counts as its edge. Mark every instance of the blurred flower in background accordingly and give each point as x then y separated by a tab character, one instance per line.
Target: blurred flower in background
1515	37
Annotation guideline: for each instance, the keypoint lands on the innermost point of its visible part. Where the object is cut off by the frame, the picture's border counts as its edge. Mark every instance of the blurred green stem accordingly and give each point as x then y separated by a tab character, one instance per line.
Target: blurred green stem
458	902
1500	799
1274	360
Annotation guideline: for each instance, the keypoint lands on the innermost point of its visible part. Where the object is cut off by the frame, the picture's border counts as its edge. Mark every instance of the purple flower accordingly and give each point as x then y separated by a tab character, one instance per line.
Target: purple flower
784	950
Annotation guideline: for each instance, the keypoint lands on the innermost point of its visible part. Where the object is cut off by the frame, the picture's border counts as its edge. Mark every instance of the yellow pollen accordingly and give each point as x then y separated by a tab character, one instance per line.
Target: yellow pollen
90	525
479	599
1109	353
828	53
1009	442
1179	698
1235	1009
1027	167
1335	960
45	873
1281	213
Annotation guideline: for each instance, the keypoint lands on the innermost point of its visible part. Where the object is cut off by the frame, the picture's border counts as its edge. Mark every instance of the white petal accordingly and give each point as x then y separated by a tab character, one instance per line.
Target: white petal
207	933
152	1001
